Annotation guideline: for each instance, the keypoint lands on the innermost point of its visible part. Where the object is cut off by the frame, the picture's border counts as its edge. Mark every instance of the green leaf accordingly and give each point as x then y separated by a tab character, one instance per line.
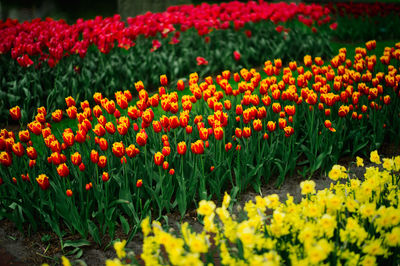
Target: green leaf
76	243
94	231
125	225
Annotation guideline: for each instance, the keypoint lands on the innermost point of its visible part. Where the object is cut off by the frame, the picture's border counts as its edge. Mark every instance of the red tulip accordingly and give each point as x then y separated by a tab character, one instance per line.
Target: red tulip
246	132
102	161
236	55
105	177
43	181
69	193
141	138
257	125
158	158
5	158
15	113
63	170
163	80
197	147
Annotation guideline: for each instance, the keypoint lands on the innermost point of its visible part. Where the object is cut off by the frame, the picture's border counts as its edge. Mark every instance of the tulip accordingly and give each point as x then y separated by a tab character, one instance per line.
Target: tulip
163	80
118	149
63	170
218	133
181	148
43	181
257	125
69	193
105	177
236	55
15	113
5	158
141	138
197	147
271	126
18	149
158	158
76	158
246	132
288	131
139	183
102	161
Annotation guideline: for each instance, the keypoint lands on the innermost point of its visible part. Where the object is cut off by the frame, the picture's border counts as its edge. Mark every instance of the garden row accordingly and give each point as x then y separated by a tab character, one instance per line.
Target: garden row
118	161
353	222
204	38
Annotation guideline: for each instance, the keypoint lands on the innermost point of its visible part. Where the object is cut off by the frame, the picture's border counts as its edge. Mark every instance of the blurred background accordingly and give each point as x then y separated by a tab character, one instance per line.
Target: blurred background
73	9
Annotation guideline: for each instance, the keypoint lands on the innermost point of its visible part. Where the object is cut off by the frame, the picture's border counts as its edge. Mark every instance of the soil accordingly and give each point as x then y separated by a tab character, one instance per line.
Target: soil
17	248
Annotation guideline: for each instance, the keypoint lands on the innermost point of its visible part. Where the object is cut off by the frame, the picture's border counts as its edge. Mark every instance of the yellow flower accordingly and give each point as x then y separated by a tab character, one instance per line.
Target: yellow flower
198	244
226	201
65	261
120	249
368	261
307	187
397	163
374	247
388	164
360	162
374	157
206	208
145	224
367	210
335	173
393	238
115	262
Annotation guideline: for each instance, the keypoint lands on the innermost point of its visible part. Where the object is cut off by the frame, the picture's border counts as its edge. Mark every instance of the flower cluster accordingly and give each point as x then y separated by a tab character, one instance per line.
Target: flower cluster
165	150
50	40
357	222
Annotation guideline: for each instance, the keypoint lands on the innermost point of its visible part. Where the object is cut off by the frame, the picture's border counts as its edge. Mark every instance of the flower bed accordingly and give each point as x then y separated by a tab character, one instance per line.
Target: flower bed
122	160
119	53
353	222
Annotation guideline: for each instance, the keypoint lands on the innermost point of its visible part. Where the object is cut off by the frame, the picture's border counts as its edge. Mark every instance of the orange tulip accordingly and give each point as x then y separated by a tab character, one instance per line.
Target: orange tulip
276	107
203	133
181	148
102	161
118	149
105	176
35	127
70	101
18	149
288	131
197	147
5	158
158	158
163	80
15	113
282	123
271	126
94	156
31	153
132	151
141	138
257	125
43	181
290	109
69	193
76	158
63	170
246	132
218	133
139	183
